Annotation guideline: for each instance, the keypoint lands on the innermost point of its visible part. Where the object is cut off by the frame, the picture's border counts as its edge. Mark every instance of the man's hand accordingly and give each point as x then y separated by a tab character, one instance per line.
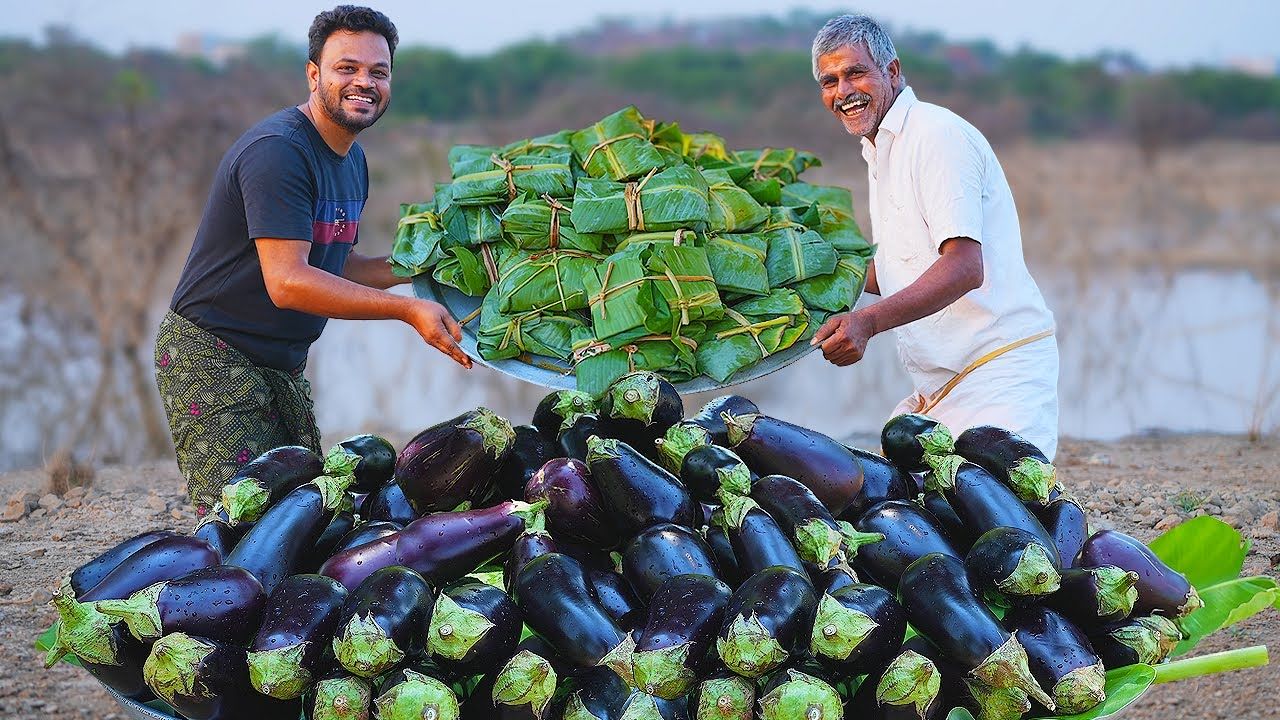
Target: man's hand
844	337
438	328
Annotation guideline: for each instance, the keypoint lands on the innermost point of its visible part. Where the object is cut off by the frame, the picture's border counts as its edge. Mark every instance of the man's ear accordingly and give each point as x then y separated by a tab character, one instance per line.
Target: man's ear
313	76
895	71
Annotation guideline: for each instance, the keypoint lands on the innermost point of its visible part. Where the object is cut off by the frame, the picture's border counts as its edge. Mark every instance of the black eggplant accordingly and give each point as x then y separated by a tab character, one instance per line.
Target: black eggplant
91	573
961	536
1092	597
389	504
909	532
1148	640
529	545
676	643
881	480
573	439
616	596
643	706
444	546
724	695
774	447
530	450
559	409
351	566
677	442
1161	589
814	533
592	693
637	409
908	688
1012	564
711	415
377	461
208	680
794	693
911	441
108	652
365	532
221	603
474	628
454	462
722	550
1066	523
858	629
297	628
575	510
709	470
504	696
343	522
409	694
339	695
943	606
832	578
1060	657
1012	459
382	621
768	620
221	536
266	479
664	551
637	491
757	540
984	503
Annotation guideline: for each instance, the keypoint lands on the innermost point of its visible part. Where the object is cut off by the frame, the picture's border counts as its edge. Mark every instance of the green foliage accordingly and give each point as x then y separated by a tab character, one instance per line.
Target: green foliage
1124	685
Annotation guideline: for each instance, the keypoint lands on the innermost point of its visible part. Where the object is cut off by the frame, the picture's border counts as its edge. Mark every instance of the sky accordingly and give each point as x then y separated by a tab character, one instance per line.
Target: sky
1161	33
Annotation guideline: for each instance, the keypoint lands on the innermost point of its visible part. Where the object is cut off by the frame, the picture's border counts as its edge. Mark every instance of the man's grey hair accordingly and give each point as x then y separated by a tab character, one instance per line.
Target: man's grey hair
848	31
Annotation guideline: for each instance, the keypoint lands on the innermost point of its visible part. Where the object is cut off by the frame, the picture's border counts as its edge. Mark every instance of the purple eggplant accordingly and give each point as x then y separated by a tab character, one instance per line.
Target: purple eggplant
768	620
338	695
377	461
389	504
912	441
774	447
91	573
592	693
637	492
530	450
959	689
910	533
906	688
757	540
411	693
351	566
1092	597
383	621
1012	459
678	639
815	534
881	480
107	651
802	691
1012	564
454	462
858	628
637	409
268	478
474	628
297	628
529	545
664	551
616	596
830	579
343	522
575	511
560	409
445	546
365	532
643	705
222	603
1147	640
722	550
573	439
724	695
961	536
709	470
677	442
221	536
208	680
984	503
521	691
1060	657
1161	589
711	415
1065	521
943	606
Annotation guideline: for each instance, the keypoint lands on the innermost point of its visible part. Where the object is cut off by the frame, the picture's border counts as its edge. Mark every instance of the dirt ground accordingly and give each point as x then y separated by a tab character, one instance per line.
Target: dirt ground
1139	485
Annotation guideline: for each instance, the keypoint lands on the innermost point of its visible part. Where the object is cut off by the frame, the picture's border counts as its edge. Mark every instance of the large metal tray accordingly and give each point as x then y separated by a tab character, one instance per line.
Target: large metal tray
137	710
553	373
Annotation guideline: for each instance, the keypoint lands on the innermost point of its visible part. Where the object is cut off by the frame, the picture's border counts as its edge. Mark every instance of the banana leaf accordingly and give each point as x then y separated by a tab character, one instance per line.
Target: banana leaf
685	289
544	145
463	269
506	178
617	147
838	291
620	296
668	200
472	225
704	145
785	164
796	255
597	364
468	159
766	191
545	280
419	239
751	331
798	217
527	221
835	210
730	208
501	337
737	263
635	242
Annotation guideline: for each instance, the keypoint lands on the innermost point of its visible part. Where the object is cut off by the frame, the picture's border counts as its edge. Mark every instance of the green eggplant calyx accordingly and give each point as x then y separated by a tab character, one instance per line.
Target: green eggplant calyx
937	440
838	630
619	659
333	490
342	698
279	672
1033	480
1081	689
84	632
641	707
734	480
1117	590
634	397
998	703
576	710
245	501
526	679
341	461
729	698
419	697
817	542
599	449
496	433
1165	633
533	514
736	508
1034	574
454	630
1141	639
854	539
910	679
1006	667
571	405
140	611
678	441
664	672
363	648
942	473
738	426
801	696
749	649
171	667
1192	603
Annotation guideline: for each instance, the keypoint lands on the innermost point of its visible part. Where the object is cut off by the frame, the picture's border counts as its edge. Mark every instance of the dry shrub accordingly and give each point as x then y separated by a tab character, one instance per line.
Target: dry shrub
65	472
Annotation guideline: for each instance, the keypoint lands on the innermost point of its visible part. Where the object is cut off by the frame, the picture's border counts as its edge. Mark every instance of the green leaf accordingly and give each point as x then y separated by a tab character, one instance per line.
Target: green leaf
1124	685
1225	604
959	713
1205	549
46	639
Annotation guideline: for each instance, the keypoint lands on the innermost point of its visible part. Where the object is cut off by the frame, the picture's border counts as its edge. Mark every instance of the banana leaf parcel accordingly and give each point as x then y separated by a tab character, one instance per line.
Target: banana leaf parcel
785	164
501	337
730	208
617	147
686	291
621	298
835	210
752	330
544	145
507	178
538	223
702	146
465	270
668	200
468	159
800	217
737	262
419	238
598	364
545	280
838	291
471	225
795	255
636	242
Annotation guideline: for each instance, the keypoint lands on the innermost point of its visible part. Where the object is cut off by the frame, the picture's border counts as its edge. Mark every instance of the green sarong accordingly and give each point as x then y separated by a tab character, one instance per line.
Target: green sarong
223	410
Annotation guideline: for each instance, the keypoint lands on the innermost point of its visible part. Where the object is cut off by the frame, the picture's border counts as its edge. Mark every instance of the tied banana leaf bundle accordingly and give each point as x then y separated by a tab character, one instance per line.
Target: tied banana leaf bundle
785	165
621	298
469	159
686	292
796	255
835	210
701	146
598	364
730	208
507	178
617	147
737	262
539	223
420	235
544	280
668	139
551	145
501	337
751	331
668	200
470	271
467	225
838	291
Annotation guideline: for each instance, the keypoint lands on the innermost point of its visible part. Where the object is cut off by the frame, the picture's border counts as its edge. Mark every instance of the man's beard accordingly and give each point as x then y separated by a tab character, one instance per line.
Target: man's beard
331	103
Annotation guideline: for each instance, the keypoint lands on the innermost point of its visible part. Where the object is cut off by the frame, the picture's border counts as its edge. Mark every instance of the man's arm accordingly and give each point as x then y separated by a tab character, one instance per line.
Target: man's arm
956	271
374	272
872	285
294	284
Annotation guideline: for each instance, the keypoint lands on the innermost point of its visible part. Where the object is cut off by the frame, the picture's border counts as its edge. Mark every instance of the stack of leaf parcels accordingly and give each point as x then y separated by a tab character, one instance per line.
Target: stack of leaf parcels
633	245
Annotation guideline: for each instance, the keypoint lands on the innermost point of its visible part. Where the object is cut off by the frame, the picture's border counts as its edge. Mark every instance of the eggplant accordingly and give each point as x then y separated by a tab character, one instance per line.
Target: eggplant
1012	564
221	603
616	596
107	651
830	579
413	695
724	695
208	680
592	693
881	480
961	536
796	694
445	546
907	688
984	503
709	470
297	628
1066	523
530	544
91	573
513	694
637	409
664	551
575	510
911	441
338	696
266	479
382	621
722	550
858	629
815	534
365	532
530	450
557	605
1060	657
910	533
643	706
351	566
768	620
1161	589
711	415
573	439
959	689
771	446
638	493
1092	597
377	461
454	462
1012	459
221	536
677	442
559	409
343	522
474	628
675	645
757	540
389	504
278	543
1147	640
943	606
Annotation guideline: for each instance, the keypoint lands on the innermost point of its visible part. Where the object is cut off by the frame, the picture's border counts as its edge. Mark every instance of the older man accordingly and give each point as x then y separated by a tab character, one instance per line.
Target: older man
973	331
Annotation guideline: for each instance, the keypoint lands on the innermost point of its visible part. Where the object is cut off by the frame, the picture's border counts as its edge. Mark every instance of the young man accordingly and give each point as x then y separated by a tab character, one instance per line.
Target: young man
273	259
973	330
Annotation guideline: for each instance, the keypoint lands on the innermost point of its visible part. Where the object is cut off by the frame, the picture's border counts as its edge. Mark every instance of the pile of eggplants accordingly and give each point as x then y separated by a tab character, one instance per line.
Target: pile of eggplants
612	558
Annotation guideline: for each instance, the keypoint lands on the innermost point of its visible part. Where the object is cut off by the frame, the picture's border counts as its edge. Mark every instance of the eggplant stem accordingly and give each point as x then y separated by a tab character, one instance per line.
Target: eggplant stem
1238	659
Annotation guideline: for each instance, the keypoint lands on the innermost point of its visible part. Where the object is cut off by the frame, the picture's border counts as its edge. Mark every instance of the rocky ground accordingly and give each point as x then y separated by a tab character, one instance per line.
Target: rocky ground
1140	485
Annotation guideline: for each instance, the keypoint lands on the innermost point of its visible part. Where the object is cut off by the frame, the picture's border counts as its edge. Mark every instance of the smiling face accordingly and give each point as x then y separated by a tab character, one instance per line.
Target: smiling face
857	90
352	80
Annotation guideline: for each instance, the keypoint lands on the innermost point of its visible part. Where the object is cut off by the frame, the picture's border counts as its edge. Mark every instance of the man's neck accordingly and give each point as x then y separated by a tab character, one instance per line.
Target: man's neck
338	138
871	137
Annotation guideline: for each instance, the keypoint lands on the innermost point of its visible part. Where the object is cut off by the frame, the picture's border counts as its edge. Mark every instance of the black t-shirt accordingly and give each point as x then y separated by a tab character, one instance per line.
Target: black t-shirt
279	180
